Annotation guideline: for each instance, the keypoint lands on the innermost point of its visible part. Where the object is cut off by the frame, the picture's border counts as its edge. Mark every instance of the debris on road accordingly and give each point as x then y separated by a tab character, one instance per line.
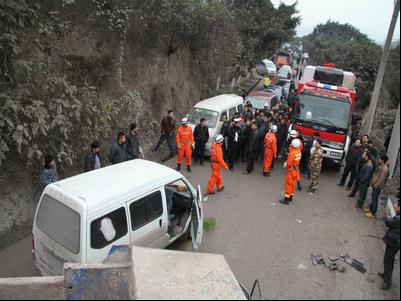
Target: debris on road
318	259
232	196
299	221
333	266
357	265
333	259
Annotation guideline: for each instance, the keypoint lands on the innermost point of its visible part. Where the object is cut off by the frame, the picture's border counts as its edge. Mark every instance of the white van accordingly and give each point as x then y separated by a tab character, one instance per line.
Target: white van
213	110
141	203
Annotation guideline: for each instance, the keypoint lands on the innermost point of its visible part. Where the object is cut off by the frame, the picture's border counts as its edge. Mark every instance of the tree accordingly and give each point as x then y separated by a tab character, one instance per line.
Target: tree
262	27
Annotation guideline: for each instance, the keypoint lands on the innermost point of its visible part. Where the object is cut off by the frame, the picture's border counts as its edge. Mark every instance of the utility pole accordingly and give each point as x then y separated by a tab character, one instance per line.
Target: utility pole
383	64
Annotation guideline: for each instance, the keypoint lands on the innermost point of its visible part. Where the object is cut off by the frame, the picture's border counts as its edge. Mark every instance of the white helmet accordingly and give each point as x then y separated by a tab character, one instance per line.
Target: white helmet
184	121
274	128
308	115
296	143
219	139
293	134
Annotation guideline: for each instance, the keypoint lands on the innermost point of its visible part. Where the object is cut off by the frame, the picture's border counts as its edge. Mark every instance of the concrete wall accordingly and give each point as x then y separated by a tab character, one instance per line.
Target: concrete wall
38	288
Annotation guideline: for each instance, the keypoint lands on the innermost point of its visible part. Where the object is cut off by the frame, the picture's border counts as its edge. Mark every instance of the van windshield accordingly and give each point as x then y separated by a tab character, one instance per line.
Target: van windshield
60	223
210	116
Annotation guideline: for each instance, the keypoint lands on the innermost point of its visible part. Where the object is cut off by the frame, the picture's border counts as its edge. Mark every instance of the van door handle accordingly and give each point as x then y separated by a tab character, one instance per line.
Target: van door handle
160	223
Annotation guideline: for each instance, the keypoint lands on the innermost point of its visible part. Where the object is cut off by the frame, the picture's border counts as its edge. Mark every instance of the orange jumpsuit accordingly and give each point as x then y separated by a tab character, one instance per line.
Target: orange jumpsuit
217	162
299	171
270	151
293	161
185	140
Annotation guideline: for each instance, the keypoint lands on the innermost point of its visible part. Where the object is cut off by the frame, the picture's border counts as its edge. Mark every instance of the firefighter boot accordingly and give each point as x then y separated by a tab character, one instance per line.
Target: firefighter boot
189	168
285	201
178	167
290	199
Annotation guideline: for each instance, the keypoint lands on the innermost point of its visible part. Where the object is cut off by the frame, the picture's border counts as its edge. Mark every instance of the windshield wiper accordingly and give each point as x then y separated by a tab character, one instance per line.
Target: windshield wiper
325	120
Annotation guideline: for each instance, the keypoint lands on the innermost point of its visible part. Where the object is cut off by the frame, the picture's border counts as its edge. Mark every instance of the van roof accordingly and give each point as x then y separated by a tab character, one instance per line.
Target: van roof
101	187
220	102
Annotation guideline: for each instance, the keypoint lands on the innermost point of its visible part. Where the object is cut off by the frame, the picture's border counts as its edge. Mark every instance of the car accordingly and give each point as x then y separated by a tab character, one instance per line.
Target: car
285	72
286	84
276	90
260	99
270	67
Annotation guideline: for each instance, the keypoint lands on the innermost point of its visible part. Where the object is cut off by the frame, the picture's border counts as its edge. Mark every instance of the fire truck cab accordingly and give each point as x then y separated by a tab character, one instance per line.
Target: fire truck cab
326	100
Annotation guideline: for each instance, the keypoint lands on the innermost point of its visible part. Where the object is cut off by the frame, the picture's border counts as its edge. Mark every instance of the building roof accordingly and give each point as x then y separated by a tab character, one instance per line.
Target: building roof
114	183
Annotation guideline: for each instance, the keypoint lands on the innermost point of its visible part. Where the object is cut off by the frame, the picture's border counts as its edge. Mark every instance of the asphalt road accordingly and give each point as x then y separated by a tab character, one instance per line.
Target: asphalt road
262	239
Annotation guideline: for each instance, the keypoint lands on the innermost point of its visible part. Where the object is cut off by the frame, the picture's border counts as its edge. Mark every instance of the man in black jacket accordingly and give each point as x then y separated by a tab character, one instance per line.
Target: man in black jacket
282	137
224	133
253	148
235	136
364	178
392	241
118	152
133	148
350	168
201	135
93	160
167	129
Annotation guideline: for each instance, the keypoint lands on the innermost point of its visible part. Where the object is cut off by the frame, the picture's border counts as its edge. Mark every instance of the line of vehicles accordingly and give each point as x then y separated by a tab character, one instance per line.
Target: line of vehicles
81	218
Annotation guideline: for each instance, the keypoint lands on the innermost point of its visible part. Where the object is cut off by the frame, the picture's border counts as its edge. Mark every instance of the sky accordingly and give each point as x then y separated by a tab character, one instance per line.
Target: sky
371	17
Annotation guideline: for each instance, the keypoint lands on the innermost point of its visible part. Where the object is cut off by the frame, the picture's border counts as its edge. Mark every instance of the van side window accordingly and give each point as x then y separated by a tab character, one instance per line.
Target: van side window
108	229
146	210
224	114
241	108
232	112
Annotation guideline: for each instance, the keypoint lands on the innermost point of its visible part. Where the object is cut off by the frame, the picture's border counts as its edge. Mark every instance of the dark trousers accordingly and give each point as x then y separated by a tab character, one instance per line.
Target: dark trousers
233	154
375	200
349	169
356	185
243	150
170	142
389	259
251	161
199	151
363	191
225	152
305	164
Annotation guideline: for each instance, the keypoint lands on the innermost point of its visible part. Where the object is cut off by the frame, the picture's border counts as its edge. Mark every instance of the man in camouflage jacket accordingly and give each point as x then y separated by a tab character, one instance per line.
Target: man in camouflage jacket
315	165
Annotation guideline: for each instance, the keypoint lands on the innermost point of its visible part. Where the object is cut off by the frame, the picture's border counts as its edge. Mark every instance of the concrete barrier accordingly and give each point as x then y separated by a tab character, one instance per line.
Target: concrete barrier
36	288
170	275
134	273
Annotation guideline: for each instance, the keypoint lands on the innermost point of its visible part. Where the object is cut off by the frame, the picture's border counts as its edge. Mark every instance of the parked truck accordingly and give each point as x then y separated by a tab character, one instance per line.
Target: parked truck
326	101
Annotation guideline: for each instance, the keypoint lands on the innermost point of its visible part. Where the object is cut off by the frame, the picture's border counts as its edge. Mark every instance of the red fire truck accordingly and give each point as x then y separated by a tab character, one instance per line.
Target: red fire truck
326	100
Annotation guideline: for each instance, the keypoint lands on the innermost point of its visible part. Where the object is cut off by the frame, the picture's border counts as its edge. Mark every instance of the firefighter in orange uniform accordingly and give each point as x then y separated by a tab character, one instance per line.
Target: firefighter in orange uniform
185	140
217	162
294	135
292	165
270	150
